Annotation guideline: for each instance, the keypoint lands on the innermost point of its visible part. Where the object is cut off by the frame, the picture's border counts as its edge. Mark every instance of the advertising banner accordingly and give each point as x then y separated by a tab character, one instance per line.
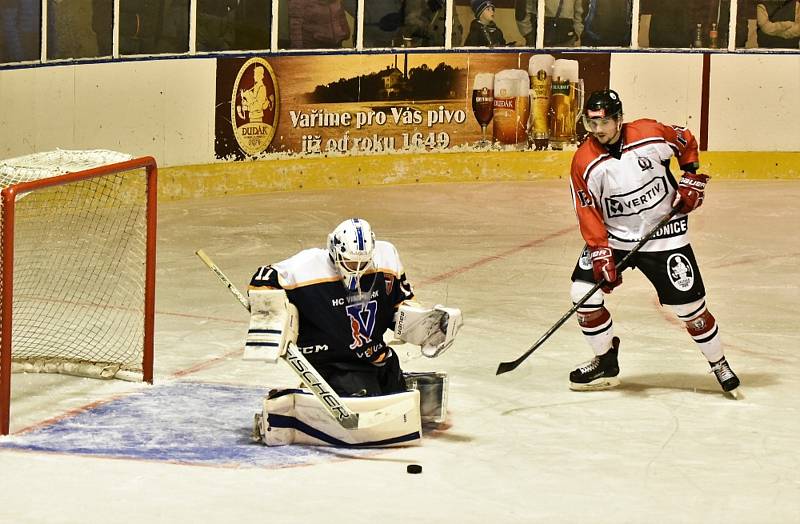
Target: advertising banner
384	103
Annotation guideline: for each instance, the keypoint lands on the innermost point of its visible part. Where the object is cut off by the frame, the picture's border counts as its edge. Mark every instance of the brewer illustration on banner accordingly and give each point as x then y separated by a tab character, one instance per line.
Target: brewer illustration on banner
254	106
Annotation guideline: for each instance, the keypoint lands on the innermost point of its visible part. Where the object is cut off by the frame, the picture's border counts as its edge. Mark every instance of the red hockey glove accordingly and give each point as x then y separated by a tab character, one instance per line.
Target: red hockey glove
604	268
690	194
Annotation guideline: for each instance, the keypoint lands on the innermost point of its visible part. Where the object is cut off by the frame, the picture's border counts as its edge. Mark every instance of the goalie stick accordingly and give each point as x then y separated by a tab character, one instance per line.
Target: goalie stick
504	367
332	403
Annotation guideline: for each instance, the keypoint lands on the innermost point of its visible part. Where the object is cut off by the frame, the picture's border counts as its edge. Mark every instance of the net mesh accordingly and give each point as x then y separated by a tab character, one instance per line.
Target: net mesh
79	266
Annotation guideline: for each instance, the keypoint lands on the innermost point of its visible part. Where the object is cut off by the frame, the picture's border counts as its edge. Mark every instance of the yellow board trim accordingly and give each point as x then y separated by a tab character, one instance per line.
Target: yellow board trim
296	174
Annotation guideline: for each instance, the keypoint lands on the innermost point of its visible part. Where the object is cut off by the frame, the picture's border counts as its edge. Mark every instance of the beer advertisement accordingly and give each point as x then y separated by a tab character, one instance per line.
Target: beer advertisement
303	105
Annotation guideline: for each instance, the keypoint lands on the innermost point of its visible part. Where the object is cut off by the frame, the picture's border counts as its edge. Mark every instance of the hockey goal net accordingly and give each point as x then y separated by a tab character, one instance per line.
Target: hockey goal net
78	266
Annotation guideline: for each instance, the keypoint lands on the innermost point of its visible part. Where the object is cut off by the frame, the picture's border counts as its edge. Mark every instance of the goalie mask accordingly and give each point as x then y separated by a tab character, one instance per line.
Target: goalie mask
350	247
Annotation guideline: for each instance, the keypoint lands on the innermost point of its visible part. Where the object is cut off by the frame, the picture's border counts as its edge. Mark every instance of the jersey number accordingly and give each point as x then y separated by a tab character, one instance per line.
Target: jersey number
264	272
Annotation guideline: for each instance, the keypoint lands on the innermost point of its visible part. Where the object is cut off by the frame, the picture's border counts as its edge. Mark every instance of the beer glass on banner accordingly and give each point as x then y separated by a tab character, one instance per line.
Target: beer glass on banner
512	107
540	70
482	102
566	100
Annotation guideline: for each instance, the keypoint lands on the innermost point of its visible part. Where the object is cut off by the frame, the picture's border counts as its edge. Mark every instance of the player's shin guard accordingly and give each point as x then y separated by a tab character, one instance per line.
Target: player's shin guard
702	327
593	318
595	322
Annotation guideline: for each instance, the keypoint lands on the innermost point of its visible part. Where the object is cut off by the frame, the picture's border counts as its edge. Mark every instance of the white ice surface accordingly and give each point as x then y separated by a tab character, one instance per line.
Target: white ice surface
664	447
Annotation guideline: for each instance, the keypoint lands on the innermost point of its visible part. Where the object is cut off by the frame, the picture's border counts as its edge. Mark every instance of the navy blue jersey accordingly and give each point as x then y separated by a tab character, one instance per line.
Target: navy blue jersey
337	326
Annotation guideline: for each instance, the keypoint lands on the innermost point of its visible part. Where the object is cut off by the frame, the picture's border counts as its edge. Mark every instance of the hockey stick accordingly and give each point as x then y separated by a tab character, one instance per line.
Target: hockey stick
332	403
510	366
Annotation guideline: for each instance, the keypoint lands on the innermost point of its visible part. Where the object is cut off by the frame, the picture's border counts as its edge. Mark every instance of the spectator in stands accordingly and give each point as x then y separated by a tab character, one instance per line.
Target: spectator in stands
253	19
778	24
153	26
607	23
69	30
102	22
139	26
424	24
174	37
317	24
19	30
483	31
563	21
216	25
745	24
382	21
670	23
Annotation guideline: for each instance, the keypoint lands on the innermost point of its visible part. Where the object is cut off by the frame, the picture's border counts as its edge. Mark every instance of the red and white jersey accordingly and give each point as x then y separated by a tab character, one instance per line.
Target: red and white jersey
619	198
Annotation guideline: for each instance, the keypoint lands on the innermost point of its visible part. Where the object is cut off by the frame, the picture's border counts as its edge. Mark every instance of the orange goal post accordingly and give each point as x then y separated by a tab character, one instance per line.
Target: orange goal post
77	291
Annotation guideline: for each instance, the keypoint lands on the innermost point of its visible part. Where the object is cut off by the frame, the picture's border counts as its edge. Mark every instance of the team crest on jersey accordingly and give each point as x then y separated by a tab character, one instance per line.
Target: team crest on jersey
362	322
644	163
389	280
680	272
585	261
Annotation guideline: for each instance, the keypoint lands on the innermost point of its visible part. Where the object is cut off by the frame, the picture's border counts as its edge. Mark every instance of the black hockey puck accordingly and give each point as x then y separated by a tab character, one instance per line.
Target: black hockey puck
414	469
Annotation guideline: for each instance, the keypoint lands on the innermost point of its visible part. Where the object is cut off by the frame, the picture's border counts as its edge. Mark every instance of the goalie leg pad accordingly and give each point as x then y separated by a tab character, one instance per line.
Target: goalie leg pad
276	403
274	322
295	416
432	387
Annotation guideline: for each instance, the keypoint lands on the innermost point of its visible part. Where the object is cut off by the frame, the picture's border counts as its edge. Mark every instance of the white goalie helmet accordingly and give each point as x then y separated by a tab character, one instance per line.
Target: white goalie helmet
350	246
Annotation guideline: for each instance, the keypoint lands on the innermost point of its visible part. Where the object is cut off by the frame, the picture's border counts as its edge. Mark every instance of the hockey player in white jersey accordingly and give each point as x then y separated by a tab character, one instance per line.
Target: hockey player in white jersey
621	187
335	305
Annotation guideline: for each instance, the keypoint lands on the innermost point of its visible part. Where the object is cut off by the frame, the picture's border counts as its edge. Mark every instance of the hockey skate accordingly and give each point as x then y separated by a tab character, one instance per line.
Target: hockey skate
726	377
599	373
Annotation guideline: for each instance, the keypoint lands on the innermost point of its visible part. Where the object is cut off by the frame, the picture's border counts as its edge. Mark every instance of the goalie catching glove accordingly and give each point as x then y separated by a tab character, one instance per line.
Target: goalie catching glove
434	330
274	322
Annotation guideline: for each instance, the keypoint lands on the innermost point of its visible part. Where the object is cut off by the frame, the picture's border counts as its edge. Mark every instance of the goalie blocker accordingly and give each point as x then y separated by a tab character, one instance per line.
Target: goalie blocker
273	325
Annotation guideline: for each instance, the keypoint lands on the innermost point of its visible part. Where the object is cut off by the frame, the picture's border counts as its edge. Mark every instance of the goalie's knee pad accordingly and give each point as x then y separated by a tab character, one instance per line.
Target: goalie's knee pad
432	387
295	416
